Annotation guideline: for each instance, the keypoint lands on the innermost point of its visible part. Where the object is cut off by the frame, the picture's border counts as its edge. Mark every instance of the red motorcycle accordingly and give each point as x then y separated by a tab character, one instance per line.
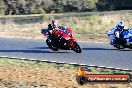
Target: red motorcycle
61	39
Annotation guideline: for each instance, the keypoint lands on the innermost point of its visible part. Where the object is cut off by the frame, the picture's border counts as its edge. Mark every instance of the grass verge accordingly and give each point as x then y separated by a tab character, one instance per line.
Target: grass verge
15	73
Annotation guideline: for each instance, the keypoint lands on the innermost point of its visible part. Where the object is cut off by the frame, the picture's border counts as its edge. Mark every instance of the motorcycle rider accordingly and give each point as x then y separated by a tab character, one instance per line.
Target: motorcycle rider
53	26
118	33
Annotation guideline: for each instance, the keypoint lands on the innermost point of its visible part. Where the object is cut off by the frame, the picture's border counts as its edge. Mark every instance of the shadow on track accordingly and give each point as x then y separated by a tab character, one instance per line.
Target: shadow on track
97	49
125	50
40	48
29	51
107	49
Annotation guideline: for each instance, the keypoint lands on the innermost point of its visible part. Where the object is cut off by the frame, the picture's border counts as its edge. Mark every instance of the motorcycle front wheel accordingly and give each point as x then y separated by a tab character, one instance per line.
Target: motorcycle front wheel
77	48
119	47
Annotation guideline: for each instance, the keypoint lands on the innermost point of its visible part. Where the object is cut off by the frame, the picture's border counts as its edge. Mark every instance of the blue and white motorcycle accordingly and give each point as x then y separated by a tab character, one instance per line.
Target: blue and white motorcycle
125	42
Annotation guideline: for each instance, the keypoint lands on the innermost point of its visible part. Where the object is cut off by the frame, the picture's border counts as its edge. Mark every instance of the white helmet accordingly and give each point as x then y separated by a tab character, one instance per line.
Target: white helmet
120	25
56	23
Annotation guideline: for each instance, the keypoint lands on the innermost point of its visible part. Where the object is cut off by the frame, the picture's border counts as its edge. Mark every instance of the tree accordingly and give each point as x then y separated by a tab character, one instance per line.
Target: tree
91	4
103	5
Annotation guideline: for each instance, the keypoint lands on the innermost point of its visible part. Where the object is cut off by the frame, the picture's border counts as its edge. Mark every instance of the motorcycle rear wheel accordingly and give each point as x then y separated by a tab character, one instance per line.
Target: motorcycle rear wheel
51	46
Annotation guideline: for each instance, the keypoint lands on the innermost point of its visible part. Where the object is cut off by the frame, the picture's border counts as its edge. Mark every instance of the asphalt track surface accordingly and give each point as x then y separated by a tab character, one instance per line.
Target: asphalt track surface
98	54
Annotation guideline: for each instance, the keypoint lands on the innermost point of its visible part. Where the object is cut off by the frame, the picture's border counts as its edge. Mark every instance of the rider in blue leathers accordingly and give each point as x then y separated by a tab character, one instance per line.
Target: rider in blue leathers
118	32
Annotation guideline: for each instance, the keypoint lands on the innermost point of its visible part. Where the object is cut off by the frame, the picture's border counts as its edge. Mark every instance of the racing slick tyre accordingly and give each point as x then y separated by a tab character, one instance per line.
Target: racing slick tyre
119	47
120	44
130	46
77	48
81	80
50	45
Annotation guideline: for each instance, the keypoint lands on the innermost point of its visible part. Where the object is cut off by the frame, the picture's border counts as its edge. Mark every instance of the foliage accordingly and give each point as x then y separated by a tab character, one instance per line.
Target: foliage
114	4
60	6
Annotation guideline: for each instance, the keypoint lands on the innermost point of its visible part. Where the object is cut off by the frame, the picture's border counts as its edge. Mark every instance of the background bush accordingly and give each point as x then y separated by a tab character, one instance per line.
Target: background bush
61	6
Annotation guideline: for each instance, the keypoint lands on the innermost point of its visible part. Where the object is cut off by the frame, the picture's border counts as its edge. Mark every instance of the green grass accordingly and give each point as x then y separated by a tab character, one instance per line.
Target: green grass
17	63
26	63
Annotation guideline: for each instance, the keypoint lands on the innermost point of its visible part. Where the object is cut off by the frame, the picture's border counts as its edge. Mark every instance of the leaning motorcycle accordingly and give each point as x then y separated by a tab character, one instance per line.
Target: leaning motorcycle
125	42
62	39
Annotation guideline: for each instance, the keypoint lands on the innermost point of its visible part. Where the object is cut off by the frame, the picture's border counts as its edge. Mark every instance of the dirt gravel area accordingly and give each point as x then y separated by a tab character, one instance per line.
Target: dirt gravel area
40	36
30	74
